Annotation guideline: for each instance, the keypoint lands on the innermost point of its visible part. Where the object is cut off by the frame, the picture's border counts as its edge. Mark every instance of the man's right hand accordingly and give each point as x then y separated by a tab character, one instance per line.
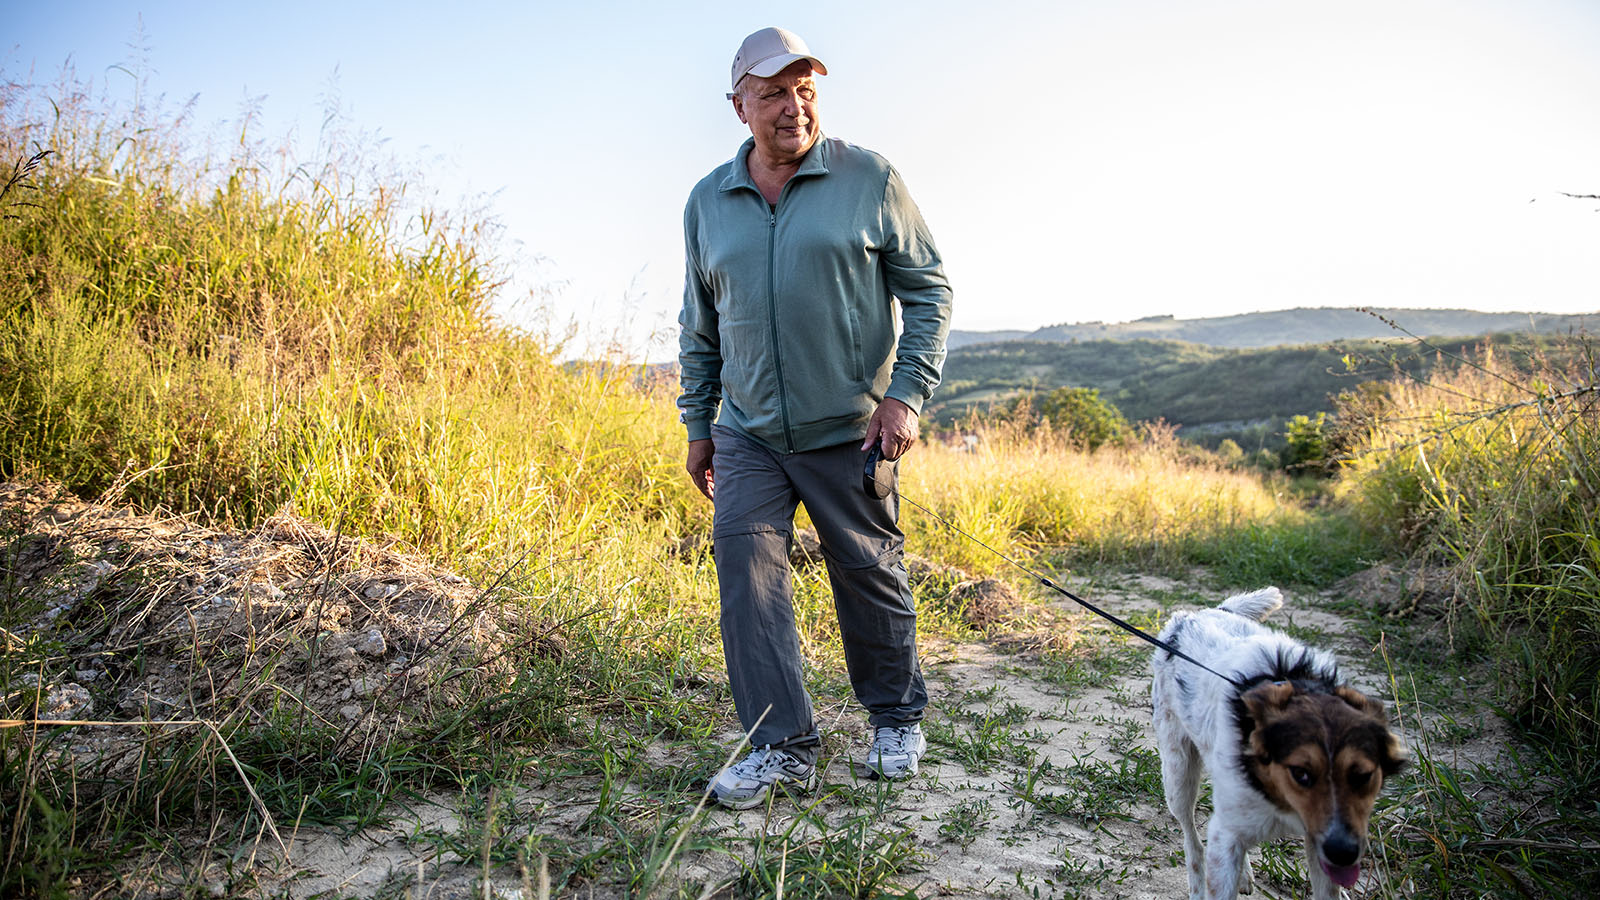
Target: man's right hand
699	466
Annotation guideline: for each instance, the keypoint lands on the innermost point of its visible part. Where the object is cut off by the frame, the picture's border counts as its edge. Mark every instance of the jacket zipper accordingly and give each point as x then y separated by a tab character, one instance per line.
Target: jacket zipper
772	318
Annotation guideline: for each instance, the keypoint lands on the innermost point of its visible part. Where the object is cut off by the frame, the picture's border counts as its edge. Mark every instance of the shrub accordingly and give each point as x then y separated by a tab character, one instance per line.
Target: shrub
1306	447
1079	413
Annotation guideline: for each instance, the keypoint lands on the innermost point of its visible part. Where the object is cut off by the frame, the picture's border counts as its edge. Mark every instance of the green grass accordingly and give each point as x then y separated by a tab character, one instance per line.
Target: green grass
1314	551
967	821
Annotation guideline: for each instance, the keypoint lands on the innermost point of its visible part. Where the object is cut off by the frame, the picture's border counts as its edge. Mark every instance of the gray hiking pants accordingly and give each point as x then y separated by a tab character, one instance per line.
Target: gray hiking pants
757	492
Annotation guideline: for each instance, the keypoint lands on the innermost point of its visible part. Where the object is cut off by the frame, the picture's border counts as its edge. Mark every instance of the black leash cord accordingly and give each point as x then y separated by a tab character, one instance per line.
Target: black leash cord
872	458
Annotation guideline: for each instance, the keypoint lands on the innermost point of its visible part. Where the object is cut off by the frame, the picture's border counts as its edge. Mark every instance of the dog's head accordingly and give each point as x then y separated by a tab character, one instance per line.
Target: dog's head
1323	755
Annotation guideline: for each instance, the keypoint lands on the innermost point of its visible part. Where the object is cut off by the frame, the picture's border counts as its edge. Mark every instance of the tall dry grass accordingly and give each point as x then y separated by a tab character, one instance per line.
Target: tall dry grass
235	334
1496	473
1150	502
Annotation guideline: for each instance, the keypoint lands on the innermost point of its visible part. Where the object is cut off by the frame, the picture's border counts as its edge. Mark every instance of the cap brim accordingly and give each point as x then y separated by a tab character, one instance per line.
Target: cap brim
770	67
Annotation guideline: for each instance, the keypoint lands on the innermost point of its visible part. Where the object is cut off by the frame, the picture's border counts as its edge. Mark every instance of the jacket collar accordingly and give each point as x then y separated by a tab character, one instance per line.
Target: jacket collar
815	163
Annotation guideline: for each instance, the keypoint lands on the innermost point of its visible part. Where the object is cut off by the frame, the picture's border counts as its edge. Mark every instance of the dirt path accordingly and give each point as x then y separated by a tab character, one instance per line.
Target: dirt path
1041	780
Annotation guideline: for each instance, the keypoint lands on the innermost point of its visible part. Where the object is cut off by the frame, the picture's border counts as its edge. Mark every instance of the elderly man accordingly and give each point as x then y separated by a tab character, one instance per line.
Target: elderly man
796	250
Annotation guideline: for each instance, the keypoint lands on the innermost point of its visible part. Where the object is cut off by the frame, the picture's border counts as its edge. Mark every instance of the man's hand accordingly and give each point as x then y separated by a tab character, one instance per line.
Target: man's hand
699	466
893	428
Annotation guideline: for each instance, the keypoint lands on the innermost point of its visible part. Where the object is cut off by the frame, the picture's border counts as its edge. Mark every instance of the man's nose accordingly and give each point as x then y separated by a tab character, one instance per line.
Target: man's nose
792	105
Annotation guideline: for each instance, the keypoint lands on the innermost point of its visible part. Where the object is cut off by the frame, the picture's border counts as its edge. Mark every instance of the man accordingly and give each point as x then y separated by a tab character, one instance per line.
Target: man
796	250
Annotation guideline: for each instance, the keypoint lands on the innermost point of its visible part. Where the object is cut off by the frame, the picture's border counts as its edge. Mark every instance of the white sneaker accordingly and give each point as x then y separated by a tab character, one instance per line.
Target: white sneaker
894	754
748	781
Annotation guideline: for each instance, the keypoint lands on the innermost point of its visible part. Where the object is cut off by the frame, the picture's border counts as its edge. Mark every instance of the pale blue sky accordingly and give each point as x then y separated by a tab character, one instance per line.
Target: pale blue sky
1077	161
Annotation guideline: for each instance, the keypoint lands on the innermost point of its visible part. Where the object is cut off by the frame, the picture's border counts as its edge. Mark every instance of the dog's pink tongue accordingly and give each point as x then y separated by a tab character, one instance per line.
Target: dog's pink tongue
1344	876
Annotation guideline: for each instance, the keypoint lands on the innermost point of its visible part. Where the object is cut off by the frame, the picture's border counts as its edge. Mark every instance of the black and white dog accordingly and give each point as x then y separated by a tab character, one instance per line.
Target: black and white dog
1291	750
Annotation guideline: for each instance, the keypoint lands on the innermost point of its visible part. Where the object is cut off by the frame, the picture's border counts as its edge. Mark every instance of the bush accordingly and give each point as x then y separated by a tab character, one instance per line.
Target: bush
1077	412
1306	446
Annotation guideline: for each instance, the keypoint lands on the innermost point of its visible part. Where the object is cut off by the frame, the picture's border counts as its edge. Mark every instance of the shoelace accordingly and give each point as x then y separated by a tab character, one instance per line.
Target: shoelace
753	768
890	740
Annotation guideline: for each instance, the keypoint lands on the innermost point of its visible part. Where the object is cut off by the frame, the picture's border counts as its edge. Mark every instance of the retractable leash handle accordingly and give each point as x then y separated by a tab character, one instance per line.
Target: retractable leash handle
877	478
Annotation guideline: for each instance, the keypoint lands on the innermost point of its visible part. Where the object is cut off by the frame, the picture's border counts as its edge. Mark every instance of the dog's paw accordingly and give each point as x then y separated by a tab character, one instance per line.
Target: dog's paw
1247	877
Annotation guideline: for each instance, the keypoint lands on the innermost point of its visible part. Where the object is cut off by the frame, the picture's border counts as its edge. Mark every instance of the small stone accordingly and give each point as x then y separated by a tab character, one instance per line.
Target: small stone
350	711
378	590
69	700
371	643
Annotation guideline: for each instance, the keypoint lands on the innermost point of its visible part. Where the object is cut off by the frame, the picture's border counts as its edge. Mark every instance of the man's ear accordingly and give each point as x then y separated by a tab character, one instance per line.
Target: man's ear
738	107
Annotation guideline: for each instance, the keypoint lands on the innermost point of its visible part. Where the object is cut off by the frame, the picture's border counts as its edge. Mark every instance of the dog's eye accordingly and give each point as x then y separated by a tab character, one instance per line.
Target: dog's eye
1301	776
1360	780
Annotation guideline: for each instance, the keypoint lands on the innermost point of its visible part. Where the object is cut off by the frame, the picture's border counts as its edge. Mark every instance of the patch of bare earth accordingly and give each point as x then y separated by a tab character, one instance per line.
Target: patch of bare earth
170	620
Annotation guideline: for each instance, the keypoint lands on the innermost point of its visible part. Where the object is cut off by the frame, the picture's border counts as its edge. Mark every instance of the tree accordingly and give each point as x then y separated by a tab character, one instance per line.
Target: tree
1089	421
1308	443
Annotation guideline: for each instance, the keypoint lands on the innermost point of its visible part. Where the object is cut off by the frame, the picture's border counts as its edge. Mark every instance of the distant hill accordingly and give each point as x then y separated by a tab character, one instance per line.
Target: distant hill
1210	392
963	338
1294	326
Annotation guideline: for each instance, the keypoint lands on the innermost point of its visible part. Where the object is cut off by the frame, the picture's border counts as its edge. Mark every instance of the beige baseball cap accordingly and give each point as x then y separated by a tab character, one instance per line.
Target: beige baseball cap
769	51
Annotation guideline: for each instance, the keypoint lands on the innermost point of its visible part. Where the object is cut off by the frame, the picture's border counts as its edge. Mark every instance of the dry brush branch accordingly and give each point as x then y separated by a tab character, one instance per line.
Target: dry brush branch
18	179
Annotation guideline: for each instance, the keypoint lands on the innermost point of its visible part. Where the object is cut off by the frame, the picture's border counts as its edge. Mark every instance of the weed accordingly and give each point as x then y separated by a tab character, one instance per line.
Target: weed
987	743
965	822
1097	789
858	857
1084	878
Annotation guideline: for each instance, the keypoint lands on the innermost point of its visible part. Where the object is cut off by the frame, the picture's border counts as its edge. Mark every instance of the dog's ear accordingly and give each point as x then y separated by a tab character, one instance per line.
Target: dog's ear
1262	704
1361	703
1395	755
1392	753
1266	699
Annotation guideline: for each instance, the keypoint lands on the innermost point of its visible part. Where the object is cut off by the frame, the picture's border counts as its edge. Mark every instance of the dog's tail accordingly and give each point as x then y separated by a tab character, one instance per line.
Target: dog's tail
1256	605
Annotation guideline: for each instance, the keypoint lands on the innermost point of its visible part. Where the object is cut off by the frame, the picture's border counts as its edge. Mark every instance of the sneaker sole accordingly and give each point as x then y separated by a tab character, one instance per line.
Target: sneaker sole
867	770
807	784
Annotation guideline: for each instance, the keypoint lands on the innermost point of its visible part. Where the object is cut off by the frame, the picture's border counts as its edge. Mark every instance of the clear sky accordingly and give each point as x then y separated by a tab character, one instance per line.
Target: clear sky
1077	161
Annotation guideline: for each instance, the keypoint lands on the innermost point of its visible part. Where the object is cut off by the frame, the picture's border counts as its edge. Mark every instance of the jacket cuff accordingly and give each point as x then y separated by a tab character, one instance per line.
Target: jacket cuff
699	429
910	397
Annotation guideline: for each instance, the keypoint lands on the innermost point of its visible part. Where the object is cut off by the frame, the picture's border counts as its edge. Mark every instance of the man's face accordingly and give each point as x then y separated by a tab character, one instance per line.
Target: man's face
781	112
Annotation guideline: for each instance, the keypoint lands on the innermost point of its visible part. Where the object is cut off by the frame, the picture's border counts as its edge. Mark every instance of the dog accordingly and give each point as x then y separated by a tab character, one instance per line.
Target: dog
1291	750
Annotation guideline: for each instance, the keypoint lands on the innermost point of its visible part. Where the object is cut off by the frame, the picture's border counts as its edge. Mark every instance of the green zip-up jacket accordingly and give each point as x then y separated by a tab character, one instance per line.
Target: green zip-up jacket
788	321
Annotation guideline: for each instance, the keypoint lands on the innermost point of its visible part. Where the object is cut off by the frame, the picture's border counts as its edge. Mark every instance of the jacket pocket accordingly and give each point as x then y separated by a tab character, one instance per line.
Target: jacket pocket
858	365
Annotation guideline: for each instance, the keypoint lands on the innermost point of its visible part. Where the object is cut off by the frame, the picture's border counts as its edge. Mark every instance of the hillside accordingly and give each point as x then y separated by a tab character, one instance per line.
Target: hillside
1294	326
1210	392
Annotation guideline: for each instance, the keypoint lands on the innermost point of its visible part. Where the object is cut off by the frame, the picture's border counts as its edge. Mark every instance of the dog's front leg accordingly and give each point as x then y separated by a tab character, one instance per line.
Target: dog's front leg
1180	777
1225	852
